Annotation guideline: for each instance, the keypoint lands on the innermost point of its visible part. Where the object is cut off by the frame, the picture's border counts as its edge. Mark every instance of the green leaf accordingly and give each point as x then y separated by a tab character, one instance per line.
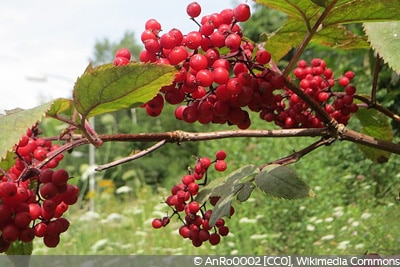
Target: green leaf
225	188
245	192
61	106
331	33
8	161
217	187
384	38
281	181
322	3
377	125
350	11
108	88
15	123
223	206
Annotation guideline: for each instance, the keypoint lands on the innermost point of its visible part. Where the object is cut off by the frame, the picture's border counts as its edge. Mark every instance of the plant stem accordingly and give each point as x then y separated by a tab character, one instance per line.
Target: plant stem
307	38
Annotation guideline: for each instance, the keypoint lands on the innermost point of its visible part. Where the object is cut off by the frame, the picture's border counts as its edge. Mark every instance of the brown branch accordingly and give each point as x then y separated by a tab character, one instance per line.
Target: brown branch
296	156
378	107
363	139
132	157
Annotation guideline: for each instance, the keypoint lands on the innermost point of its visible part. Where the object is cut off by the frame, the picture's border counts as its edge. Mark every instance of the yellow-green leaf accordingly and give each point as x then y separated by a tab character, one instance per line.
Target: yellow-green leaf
108	88
15	123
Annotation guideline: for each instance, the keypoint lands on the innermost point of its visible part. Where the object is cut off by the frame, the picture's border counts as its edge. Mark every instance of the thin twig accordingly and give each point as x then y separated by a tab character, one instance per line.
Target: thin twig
378	107
132	157
296	156
375	80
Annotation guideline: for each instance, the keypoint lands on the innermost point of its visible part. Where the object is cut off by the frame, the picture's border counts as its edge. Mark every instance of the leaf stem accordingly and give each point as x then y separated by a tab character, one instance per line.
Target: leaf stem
307	38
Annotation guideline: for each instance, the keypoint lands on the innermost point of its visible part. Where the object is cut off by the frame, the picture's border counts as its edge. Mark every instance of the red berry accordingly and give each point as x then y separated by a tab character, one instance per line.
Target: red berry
123	53
194	207
60	177
344	81
220	165
51	241
242	12
157	223
263	57
220	155
193	10
214	239
152	25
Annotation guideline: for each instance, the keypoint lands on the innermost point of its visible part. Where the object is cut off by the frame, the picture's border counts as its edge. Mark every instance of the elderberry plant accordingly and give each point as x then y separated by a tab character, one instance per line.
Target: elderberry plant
212	74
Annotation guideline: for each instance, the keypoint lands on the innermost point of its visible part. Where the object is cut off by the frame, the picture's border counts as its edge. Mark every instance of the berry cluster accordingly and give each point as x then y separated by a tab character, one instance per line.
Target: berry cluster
219	72
32	200
196	218
222	76
317	81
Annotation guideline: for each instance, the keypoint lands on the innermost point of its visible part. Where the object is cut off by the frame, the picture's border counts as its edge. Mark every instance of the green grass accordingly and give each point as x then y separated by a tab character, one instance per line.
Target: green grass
257	227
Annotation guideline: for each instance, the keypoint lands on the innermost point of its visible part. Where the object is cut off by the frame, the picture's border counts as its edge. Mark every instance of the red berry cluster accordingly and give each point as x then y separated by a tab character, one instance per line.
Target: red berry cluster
222	76
196	218
32	200
317	81
216	80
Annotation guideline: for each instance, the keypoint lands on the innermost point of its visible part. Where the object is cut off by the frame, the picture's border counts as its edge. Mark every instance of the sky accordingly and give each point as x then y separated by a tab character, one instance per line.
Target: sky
45	44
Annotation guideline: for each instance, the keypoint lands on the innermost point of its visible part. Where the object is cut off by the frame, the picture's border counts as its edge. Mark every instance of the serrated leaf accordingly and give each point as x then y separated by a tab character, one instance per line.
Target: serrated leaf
223	206
217	187
331	32
245	191
282	181
350	11
61	106
384	38
377	125
108	88
8	161
15	124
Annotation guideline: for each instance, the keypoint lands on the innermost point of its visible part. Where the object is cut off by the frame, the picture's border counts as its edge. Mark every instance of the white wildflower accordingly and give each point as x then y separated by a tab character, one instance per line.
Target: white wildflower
310	227
365	215
329	219
247	220
258	236
327	237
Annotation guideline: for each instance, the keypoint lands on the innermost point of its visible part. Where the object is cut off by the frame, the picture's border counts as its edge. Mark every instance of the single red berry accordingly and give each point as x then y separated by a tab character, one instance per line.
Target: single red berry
344	81
220	165
214	239
193	10
124	53
152	25
51	241
263	57
220	155
194	207
242	12
157	223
